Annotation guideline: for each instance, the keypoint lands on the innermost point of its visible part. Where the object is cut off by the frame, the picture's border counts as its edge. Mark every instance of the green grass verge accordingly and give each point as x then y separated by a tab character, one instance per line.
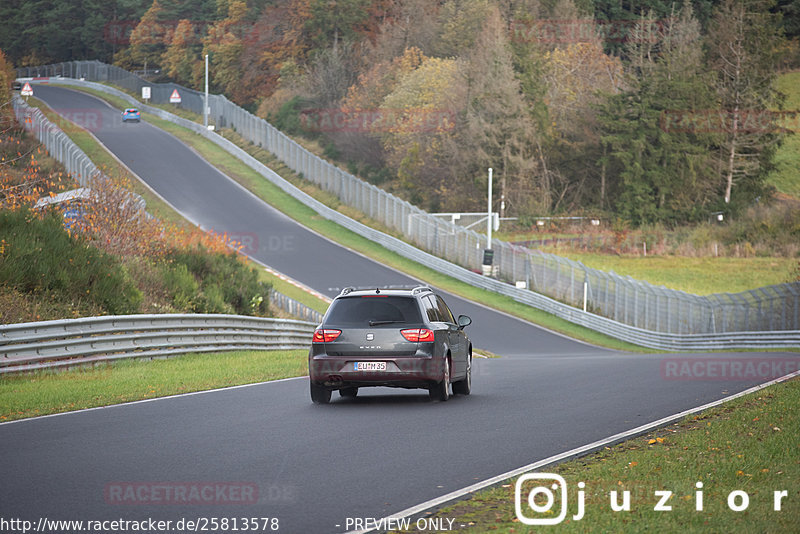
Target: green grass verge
749	444
292	291
270	193
48	392
701	276
786	175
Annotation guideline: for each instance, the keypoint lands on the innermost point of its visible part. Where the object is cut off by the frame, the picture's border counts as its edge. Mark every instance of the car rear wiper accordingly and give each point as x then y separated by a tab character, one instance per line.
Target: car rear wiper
376	323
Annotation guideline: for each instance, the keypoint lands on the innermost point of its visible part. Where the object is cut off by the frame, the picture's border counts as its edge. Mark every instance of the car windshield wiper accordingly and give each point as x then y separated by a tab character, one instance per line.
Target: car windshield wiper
376	323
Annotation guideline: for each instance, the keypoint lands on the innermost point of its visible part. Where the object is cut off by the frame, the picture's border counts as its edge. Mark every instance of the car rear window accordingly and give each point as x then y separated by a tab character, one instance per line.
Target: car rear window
360	311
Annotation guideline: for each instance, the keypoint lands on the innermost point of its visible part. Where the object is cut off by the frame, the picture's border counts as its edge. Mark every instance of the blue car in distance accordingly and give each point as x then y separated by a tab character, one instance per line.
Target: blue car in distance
130	114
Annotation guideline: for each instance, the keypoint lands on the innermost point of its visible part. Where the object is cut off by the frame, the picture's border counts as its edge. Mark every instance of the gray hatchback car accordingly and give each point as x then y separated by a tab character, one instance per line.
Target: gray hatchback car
406	338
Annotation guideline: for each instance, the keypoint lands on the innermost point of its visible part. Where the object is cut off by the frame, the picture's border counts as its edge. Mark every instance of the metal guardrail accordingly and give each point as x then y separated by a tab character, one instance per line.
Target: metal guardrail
617	329
69	342
57	143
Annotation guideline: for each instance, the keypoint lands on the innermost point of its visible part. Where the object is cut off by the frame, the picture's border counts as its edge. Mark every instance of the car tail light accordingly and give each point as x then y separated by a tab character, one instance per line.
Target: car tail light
325	335
418	335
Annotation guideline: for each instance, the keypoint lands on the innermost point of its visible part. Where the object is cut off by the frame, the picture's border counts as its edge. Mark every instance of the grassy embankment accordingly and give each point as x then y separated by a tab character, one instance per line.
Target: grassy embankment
44	393
701	276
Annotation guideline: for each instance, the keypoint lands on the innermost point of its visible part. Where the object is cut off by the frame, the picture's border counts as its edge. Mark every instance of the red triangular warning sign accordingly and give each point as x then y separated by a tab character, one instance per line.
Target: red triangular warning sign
27	90
175	97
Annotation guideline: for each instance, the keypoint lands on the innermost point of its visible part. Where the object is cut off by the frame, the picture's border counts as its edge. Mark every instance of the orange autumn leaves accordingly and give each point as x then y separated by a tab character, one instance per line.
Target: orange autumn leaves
110	216
22	179
115	220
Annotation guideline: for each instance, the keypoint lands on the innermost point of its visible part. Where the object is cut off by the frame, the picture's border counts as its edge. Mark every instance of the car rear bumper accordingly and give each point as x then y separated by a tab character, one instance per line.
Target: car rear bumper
407	372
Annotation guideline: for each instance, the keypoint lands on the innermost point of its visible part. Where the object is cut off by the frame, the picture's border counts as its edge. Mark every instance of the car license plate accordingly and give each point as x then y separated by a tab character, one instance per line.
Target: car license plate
369	366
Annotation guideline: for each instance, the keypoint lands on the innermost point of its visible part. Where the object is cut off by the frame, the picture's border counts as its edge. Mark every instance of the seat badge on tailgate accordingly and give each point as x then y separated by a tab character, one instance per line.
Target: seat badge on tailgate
370	336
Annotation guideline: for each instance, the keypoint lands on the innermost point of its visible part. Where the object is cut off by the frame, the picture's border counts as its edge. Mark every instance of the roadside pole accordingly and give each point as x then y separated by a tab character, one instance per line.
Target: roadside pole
205	100
488	253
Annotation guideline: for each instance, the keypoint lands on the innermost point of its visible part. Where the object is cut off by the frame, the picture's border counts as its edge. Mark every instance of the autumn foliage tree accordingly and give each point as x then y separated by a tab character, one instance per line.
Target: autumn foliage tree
565	99
332	22
7	76
224	45
498	131
150	37
417	118
180	60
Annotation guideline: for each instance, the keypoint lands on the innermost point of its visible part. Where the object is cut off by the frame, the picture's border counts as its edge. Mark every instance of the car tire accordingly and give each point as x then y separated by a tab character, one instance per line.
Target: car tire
348	393
319	394
440	391
464	387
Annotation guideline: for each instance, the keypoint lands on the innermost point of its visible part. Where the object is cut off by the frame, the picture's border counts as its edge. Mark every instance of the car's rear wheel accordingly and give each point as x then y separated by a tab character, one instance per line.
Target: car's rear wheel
320	395
441	390
348	393
464	387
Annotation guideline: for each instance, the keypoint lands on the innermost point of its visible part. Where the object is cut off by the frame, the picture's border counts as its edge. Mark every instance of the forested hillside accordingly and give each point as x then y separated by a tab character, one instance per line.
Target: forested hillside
648	111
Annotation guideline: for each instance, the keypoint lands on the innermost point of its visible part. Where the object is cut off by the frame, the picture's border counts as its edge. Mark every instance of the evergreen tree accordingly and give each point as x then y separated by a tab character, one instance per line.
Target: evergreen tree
665	170
334	21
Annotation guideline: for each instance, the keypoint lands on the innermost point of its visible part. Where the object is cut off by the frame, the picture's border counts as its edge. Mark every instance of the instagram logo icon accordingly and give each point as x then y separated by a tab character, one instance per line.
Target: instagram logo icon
536	497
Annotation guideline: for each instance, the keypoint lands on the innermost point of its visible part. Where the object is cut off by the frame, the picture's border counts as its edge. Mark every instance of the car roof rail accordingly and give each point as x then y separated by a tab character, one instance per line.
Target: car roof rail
421	289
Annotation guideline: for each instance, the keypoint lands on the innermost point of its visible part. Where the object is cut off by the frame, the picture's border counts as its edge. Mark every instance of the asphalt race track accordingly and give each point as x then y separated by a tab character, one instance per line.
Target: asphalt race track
266	450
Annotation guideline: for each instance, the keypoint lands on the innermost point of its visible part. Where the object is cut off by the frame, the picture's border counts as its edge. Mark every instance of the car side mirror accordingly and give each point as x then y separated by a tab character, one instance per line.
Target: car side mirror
464	321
